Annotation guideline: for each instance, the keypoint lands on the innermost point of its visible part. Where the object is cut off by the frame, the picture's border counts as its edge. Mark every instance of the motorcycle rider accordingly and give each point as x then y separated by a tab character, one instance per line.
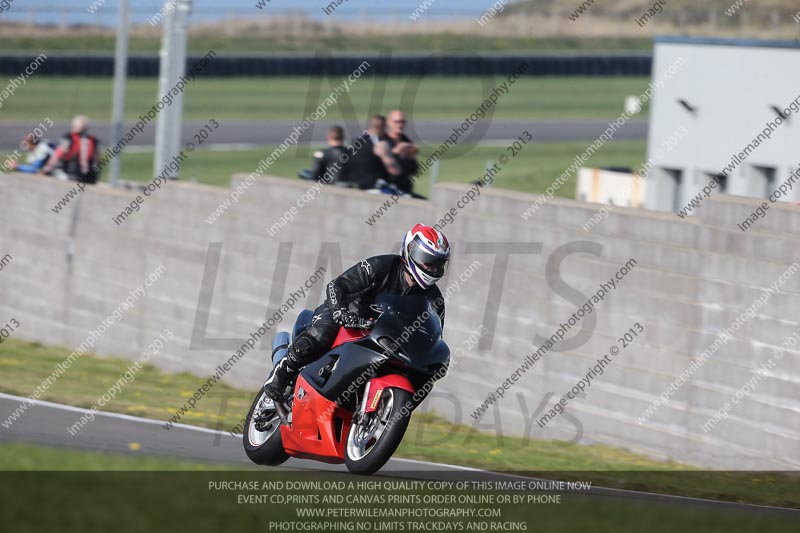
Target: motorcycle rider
424	256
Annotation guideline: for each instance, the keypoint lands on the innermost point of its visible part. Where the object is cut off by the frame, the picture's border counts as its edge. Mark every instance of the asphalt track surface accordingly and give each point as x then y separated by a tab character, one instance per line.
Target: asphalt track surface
245	134
46	423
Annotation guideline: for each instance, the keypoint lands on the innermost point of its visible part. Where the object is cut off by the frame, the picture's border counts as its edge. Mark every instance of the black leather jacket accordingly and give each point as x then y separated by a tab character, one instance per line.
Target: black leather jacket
364	167
409	166
330	162
355	289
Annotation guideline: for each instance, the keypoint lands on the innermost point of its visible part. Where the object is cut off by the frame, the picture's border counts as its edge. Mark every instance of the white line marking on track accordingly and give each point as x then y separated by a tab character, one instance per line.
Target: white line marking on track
108	414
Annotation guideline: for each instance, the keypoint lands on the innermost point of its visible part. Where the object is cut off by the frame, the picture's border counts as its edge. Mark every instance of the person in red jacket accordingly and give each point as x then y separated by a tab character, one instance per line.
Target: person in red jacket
76	154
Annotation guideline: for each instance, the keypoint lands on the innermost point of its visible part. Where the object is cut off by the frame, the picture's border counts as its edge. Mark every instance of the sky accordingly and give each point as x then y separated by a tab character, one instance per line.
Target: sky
77	11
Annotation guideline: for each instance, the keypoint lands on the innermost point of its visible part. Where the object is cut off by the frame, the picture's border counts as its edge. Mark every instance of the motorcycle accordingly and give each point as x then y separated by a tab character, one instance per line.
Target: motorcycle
353	404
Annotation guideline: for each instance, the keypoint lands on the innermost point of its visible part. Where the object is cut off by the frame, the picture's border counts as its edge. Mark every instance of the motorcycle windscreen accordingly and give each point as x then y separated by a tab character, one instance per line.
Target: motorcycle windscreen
412	325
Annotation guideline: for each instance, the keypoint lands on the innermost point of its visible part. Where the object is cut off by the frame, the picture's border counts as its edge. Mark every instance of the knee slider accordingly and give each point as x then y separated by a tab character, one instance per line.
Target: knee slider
304	350
302	345
324	337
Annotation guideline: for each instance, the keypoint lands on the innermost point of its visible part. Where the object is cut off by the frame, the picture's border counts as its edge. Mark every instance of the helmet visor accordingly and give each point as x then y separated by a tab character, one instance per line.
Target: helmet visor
426	259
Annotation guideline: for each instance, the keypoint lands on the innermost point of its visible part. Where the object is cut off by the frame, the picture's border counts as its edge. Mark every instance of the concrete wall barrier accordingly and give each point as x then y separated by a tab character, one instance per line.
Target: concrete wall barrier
692	280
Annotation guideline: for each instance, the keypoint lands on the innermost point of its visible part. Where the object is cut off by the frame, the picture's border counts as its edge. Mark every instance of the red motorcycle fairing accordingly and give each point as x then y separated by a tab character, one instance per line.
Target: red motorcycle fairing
319	427
375	387
347	335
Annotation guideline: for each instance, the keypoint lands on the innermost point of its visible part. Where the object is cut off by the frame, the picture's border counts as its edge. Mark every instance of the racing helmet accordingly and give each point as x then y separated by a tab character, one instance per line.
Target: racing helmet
426	254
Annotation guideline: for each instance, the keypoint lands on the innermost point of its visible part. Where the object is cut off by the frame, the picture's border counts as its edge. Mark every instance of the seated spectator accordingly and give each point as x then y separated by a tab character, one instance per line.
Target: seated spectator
404	152
76	154
329	165
39	151
371	158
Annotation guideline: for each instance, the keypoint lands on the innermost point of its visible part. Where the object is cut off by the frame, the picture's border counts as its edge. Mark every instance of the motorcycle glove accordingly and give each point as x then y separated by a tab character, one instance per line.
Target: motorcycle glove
348	319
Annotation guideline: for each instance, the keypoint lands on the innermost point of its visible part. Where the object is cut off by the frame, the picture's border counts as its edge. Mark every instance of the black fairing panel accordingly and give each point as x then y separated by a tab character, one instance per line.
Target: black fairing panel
417	350
414	326
352	362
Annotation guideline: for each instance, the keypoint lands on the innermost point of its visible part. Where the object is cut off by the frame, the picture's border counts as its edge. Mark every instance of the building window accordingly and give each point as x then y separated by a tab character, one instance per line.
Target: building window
721	179
762	180
674	185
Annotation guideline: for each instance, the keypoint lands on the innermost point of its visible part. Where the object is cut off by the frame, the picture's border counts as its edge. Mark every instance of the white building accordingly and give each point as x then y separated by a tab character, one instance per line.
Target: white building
737	103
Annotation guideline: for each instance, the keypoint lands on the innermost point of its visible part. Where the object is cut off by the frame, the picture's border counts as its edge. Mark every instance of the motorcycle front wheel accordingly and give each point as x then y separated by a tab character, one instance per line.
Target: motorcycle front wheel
375	437
262	435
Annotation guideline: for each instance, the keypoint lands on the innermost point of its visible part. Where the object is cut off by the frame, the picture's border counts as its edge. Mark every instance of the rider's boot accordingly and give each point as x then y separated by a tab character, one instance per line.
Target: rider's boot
283	375
301	352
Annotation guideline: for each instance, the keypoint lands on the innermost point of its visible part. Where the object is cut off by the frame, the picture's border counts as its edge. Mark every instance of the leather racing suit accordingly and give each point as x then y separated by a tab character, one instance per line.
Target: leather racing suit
347	303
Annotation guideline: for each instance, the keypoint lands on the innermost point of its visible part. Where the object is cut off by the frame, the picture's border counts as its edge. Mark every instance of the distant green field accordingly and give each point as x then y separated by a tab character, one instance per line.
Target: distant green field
263	99
533	170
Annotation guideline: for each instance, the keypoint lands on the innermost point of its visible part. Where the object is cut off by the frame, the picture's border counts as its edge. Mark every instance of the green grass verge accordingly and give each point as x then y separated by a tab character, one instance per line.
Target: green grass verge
155	394
27	457
531	171
285	98
185	501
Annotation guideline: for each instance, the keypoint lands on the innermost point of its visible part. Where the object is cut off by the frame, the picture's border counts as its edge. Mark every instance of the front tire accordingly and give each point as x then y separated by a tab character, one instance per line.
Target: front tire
372	441
263	447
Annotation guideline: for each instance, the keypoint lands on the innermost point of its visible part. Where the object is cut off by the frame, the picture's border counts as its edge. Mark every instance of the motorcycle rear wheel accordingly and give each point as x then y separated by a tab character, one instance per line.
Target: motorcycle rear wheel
263	447
373	440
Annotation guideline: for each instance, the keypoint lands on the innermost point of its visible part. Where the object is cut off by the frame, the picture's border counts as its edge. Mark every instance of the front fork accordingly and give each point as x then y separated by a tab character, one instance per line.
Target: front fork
375	386
374	389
